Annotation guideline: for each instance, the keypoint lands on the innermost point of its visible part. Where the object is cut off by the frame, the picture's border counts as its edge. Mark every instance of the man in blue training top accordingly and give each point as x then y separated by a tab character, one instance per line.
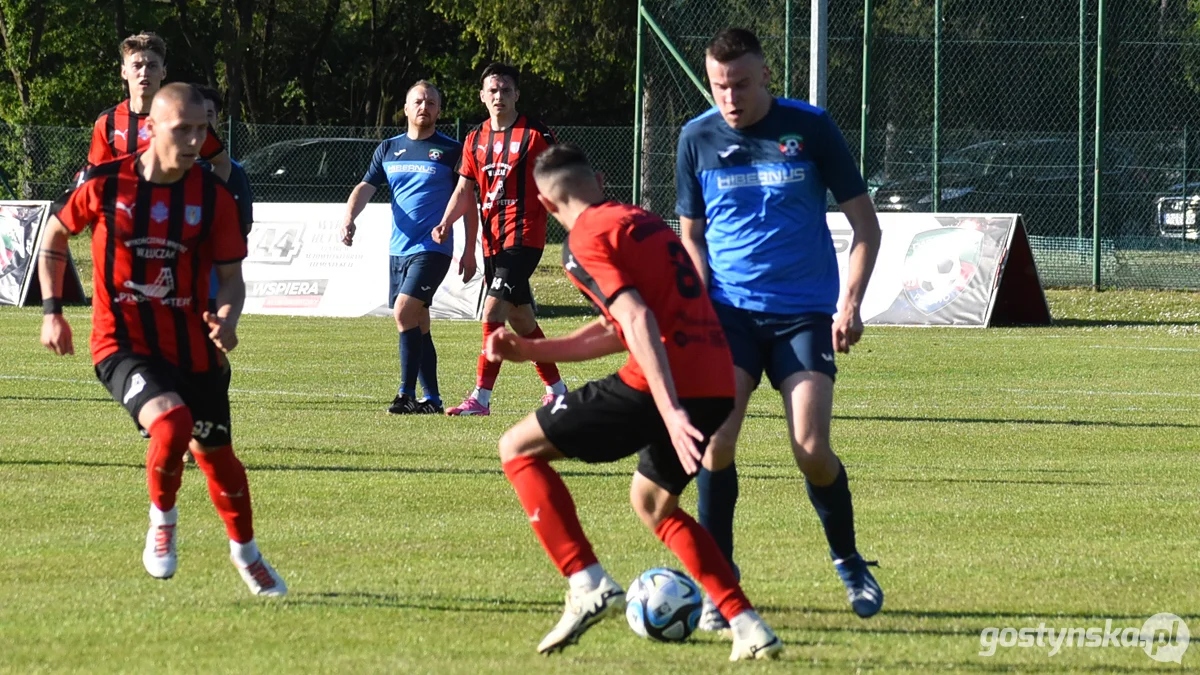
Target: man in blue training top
419	168
751	178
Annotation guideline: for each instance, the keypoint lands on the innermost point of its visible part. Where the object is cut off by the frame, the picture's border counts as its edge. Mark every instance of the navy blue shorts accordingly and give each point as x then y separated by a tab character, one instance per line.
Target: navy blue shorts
781	344
417	275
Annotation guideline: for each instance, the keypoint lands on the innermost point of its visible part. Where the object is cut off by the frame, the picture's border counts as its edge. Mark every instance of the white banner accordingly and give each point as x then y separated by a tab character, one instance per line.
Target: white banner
20	227
297	264
947	269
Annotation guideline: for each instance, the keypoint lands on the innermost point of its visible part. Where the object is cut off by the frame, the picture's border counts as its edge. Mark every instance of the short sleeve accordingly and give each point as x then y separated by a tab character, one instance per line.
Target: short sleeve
689	200
99	152
78	208
375	174
229	246
594	265
836	164
212	145
466	161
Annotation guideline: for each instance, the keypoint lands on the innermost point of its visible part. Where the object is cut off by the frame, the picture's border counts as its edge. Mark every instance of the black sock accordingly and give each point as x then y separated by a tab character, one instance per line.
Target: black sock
836	511
428	374
718	494
410	361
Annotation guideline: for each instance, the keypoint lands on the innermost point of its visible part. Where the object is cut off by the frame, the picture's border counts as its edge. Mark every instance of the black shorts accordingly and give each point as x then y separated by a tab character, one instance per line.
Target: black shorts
607	420
508	272
134	379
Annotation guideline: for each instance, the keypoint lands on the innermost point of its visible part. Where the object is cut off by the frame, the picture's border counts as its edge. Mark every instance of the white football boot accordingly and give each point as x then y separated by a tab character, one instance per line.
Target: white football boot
159	557
757	641
582	611
262	578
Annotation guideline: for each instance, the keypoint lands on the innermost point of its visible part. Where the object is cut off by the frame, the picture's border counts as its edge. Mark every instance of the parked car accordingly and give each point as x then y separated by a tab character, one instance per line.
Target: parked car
1175	212
1037	178
308	170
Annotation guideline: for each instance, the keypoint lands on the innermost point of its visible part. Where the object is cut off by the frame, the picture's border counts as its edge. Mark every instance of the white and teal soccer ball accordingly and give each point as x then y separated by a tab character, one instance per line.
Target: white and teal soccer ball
663	604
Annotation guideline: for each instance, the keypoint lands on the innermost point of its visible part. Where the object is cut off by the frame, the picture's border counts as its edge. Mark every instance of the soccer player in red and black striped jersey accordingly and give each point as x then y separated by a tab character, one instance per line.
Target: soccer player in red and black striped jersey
120	131
498	157
159	224
671	395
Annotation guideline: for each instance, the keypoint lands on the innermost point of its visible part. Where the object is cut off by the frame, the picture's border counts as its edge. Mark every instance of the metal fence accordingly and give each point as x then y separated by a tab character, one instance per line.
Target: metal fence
284	163
979	105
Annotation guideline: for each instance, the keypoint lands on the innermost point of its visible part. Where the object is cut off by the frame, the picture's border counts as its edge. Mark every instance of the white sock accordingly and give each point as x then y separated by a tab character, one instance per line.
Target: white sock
588	579
743	623
484	396
245	554
558	388
159	517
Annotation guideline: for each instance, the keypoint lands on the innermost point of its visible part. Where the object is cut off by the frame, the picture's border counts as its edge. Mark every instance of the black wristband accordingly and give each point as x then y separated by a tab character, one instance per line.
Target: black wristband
52	306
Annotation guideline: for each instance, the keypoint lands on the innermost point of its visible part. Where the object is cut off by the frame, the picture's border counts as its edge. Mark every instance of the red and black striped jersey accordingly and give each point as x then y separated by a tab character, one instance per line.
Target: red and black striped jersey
615	248
118	133
153	248
501	164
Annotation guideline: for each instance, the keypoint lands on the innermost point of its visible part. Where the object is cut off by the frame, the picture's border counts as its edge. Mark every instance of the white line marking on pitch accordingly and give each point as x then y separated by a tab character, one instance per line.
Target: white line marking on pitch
253	392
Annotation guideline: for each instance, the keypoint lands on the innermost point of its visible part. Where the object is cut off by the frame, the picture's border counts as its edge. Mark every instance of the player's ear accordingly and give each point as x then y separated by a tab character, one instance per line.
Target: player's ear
551	207
600	180
766	74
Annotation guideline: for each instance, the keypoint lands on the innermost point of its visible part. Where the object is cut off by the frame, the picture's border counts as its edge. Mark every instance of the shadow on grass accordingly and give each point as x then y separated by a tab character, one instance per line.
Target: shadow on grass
69	399
561	311
1014	617
906	419
1096	323
402	470
426	603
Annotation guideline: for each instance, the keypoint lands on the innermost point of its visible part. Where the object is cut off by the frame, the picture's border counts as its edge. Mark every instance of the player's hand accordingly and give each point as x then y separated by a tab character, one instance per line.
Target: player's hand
847	329
441	233
505	345
686	439
466	266
56	334
221	331
348	233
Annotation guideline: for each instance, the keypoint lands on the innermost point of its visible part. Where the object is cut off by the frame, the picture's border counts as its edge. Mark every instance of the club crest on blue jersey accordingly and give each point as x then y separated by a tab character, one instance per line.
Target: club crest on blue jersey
435	154
791	145
192	215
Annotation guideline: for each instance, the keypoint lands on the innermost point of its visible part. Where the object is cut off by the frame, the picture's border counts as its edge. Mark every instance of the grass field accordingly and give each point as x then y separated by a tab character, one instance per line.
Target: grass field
1003	478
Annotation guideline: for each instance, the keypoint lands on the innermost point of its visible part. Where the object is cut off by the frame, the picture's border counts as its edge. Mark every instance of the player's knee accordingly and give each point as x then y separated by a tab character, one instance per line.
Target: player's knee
408	312
514	444
720	452
813	456
651	503
173	427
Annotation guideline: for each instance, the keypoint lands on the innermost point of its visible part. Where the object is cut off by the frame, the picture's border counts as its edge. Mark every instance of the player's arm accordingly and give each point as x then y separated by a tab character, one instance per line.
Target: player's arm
841	175
231	296
461	200
691	232
592	341
646	345
52	263
690	207
359	197
466	263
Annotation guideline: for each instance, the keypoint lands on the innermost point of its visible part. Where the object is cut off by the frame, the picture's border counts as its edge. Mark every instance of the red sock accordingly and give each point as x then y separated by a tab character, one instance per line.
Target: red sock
170	434
487	372
698	552
551	512
229	490
547	371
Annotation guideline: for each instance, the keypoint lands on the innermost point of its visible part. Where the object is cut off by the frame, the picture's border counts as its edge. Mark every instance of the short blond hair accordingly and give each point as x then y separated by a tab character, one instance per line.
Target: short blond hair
144	42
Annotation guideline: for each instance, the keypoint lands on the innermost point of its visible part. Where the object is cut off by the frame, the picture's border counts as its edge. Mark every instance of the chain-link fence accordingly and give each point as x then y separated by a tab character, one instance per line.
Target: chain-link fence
980	106
284	163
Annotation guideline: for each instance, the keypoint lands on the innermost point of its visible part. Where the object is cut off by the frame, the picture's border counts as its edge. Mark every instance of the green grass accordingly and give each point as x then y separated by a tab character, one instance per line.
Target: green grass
1002	477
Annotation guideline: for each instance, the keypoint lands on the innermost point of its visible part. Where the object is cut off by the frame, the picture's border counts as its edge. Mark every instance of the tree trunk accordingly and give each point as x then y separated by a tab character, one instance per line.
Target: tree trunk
201	54
332	7
119	19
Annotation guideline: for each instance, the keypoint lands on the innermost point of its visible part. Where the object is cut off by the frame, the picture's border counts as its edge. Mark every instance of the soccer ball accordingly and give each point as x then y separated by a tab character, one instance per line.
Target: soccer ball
663	604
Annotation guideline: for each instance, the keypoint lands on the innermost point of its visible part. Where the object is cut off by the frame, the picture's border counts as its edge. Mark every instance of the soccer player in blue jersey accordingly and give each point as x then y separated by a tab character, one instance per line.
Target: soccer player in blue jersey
751	178
418	166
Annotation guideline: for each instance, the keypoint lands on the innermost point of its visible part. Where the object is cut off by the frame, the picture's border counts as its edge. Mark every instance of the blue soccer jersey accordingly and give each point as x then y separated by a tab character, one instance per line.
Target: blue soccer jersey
422	177
762	191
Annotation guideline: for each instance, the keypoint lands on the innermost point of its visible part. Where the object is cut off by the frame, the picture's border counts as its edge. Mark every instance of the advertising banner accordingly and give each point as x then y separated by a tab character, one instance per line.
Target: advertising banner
21	227
939	269
298	265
